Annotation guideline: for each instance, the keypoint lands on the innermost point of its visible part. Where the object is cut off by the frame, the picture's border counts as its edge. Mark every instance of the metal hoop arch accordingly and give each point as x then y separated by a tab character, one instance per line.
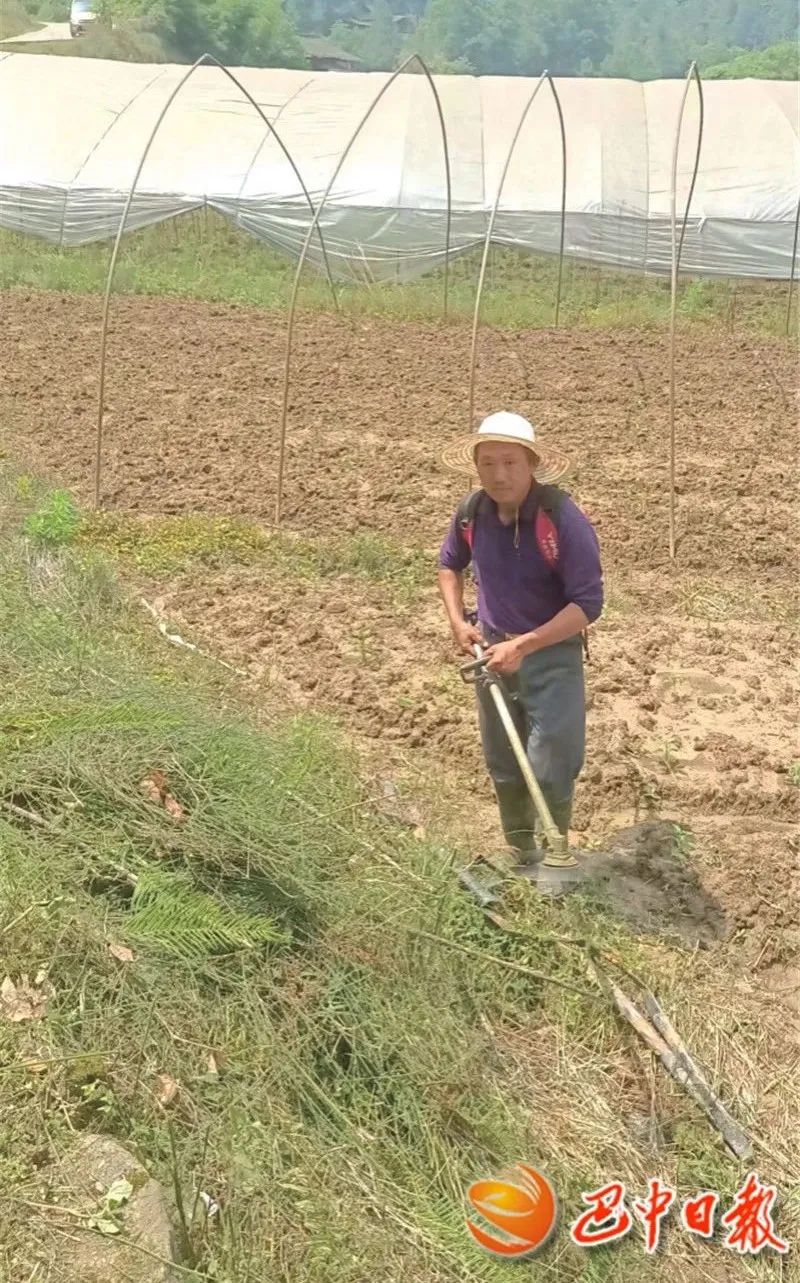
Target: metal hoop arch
794	265
563	227
545	76
677	249
413	58
210	60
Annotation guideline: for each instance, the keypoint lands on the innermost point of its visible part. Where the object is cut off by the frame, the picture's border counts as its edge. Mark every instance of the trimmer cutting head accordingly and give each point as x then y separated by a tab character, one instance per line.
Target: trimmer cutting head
557	880
553	877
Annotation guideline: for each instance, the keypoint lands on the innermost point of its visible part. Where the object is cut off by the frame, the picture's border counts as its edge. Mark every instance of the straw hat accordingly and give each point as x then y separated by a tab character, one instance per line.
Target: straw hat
510	429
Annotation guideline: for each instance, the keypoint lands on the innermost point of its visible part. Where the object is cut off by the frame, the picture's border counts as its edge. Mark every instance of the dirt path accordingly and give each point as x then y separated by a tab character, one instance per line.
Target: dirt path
48	31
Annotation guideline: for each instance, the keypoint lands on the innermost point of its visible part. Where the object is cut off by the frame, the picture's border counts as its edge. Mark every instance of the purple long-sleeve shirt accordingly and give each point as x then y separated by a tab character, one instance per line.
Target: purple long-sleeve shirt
517	589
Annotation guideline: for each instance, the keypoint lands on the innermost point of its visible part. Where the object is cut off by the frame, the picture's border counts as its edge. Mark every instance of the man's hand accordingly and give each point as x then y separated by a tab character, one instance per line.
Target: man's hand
466	635
505	657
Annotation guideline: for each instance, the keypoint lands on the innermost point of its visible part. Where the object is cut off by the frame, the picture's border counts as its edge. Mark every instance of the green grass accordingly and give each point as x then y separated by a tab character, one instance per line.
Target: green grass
200	255
117	46
372	1052
165	545
170	544
15	20
278	925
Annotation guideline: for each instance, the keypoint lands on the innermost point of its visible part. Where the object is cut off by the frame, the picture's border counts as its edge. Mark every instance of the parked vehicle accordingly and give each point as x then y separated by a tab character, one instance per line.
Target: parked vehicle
82	16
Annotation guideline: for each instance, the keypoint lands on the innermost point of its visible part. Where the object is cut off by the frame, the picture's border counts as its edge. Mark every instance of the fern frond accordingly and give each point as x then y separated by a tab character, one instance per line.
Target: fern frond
167	910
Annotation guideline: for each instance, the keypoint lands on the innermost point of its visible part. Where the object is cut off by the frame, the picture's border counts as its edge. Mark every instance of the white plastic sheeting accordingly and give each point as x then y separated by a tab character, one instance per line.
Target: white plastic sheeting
72	131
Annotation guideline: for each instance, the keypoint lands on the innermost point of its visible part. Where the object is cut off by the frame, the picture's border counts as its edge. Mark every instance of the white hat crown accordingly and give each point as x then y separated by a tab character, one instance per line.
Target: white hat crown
506	424
550	465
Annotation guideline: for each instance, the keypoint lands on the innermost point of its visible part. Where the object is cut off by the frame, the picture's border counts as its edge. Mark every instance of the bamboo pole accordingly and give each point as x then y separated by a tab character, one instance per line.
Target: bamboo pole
663	1039
563	220
677	247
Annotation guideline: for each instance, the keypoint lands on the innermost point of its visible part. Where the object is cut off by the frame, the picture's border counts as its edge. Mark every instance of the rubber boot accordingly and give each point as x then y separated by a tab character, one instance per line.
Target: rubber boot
518	818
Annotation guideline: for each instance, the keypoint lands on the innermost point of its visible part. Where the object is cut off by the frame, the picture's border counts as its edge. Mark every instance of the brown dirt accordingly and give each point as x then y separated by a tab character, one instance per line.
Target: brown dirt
193	396
693	693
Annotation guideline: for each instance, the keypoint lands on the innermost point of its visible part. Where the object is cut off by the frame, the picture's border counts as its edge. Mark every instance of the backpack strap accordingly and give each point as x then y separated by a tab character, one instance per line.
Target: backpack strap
465	516
548	504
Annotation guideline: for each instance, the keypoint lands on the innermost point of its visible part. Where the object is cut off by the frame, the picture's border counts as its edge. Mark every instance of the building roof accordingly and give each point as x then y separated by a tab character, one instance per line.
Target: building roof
322	47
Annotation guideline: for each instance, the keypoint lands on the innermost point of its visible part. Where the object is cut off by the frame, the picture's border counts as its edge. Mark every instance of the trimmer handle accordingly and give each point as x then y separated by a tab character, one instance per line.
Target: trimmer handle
476	670
470	672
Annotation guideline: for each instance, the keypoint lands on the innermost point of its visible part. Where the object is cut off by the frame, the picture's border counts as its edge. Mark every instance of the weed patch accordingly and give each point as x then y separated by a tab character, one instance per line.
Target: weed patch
163	545
168	544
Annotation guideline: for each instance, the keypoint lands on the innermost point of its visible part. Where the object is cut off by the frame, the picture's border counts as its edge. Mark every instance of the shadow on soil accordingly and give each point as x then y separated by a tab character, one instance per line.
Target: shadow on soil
645	881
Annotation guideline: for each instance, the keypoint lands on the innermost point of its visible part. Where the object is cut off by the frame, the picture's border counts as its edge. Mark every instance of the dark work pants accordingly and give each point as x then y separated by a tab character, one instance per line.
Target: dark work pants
549	710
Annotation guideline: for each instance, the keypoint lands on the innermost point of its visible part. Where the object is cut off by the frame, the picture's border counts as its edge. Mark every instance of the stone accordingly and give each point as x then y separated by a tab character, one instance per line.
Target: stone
145	1219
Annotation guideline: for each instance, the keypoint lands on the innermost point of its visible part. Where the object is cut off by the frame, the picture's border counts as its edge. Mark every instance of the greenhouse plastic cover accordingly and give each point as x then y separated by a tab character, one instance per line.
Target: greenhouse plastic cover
72	133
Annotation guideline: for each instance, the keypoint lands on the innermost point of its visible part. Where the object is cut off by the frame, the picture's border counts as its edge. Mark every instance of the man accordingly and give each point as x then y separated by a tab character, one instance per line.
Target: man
539	586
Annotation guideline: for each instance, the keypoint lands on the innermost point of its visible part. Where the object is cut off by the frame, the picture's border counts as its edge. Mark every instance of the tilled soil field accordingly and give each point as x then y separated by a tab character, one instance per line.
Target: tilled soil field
193	400
693	695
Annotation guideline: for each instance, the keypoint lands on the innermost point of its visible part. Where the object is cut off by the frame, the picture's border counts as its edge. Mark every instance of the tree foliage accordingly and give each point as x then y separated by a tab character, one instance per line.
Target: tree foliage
239	32
778	62
631	38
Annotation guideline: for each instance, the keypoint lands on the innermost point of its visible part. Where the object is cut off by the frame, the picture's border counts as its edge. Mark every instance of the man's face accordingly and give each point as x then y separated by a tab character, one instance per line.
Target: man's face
505	471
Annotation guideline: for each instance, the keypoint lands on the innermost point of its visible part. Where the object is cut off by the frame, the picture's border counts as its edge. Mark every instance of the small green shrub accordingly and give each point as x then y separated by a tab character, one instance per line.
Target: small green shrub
698	300
55	522
49	10
684	841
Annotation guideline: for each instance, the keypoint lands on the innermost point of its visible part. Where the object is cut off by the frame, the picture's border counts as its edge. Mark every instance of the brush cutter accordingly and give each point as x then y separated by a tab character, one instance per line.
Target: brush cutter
559	872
